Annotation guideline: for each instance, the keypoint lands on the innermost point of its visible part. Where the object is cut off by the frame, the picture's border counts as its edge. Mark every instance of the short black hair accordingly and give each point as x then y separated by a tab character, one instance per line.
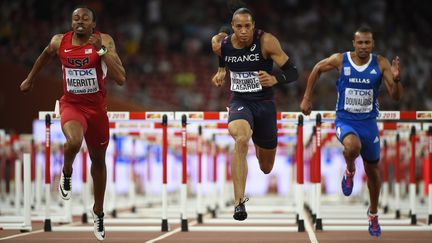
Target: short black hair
243	11
364	29
87	7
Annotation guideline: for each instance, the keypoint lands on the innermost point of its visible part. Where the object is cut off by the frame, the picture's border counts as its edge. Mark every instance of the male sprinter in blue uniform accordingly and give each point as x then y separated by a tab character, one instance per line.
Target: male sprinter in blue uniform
249	55
359	81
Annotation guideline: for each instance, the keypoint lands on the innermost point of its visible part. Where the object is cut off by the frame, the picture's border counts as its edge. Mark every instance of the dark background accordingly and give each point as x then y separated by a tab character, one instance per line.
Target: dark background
165	48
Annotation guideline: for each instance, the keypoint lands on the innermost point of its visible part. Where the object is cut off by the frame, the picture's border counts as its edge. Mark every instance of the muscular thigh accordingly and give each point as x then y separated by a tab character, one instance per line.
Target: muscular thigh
70	112
240	110
370	139
265	129
97	135
368	134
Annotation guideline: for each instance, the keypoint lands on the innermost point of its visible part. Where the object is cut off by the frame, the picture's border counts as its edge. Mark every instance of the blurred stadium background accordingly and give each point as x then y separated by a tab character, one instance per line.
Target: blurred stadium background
165	48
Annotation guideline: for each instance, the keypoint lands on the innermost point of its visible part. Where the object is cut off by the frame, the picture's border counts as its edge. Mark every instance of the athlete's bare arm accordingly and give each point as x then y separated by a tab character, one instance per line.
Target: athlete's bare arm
390	74
271	48
216	42
46	55
219	78
116	70
325	65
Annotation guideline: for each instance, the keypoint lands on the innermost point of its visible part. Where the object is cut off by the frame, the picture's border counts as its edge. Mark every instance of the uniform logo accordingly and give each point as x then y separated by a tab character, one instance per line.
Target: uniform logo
78	62
253	47
338	132
67	50
373	71
88	51
240	108
104	143
347	71
376	139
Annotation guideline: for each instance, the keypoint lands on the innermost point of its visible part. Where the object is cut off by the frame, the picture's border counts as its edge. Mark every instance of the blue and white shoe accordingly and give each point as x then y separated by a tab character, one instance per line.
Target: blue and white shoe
348	182
374	226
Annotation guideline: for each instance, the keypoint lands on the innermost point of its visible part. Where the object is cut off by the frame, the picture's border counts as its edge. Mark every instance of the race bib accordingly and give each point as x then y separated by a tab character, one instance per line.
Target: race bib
245	82
358	100
81	81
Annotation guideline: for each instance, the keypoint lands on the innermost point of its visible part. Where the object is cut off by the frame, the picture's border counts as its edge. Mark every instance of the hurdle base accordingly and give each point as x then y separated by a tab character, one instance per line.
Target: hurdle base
385	209
318	225
398	214
314	218
200	218
213	213
297	218
184	225
114	213
47	225
133	209
430	219
301	227
84	218
413	219
229	203
164	225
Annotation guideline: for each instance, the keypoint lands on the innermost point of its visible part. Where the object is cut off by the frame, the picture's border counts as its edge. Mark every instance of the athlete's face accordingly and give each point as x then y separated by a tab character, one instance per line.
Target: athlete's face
243	27
363	44
82	21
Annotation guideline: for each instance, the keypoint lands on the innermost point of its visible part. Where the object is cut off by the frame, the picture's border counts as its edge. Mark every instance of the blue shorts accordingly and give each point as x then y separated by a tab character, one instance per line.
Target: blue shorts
261	116
366	131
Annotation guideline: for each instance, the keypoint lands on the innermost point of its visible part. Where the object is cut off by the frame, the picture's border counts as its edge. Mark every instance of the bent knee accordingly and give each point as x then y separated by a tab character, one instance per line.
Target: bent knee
352	148
242	140
73	145
266	166
352	151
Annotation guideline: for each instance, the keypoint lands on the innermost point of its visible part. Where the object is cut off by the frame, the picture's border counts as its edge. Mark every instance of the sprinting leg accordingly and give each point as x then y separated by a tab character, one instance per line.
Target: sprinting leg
266	158
374	186
241	131
98	172
73	132
352	147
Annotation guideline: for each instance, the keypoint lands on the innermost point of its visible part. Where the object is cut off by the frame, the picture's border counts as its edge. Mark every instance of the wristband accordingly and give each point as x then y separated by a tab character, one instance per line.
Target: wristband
221	62
102	51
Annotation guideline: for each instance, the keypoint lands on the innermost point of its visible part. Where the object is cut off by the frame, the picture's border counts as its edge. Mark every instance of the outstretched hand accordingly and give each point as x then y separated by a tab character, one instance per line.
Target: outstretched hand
395	68
219	78
306	106
26	85
96	41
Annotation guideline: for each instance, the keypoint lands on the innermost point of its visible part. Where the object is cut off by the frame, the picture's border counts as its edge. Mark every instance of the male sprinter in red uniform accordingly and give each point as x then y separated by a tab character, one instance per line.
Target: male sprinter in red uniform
87	58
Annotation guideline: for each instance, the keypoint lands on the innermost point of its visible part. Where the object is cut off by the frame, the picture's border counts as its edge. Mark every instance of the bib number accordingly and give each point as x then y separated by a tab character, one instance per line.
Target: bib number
245	82
81	81
358	100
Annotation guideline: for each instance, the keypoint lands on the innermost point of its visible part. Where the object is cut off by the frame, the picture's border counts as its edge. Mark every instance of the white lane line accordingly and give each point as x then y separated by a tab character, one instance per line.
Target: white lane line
32	232
21	234
308	227
171	232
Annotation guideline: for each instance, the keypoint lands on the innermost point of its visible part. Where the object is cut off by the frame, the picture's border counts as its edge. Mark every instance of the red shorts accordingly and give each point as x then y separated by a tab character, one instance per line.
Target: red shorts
94	121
